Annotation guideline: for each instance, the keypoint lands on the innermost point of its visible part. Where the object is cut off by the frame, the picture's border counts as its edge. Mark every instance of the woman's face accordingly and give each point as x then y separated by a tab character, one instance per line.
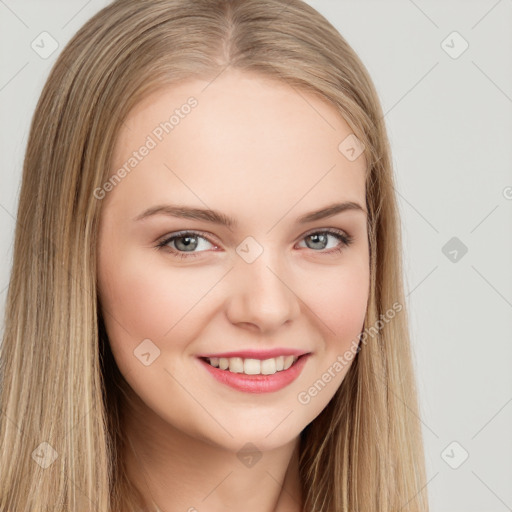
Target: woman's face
264	155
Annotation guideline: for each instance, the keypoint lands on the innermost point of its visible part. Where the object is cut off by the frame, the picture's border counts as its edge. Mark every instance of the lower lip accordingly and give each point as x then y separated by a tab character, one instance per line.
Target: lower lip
258	383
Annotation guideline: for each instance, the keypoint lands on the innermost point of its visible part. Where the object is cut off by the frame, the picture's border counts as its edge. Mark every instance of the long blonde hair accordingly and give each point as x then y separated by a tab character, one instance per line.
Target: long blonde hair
61	391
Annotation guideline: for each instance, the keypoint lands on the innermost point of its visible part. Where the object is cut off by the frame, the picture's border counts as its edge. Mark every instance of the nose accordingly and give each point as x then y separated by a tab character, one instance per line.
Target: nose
262	296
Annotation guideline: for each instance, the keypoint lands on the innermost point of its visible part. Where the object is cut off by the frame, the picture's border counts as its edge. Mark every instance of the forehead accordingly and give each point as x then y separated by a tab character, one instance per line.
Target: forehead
241	138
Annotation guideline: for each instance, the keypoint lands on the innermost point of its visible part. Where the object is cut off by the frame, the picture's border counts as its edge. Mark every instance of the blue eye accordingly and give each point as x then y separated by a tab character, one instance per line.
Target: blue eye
322	237
185	242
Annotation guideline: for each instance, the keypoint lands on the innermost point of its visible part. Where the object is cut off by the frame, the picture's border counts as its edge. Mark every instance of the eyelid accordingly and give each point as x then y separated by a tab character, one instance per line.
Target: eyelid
325	230
184	232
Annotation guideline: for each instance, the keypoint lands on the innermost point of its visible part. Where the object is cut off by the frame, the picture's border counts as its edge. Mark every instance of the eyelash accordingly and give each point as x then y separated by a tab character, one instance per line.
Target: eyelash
340	235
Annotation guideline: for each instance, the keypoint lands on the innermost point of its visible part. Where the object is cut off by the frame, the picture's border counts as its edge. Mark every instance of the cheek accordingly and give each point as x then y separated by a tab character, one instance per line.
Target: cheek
137	300
142	302
348	308
339	303
147	299
339	300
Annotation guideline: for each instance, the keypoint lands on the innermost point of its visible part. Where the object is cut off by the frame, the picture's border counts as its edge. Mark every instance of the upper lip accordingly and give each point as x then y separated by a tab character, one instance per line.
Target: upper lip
259	354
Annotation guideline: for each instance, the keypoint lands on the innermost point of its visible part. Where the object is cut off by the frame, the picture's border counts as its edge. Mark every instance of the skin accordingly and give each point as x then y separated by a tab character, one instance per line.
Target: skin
256	150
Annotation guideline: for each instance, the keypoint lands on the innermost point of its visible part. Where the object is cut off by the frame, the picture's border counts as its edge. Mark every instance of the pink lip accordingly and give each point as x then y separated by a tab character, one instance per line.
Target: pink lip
257	383
258	354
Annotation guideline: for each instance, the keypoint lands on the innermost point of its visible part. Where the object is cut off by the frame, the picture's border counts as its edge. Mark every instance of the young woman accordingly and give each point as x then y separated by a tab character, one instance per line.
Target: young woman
206	309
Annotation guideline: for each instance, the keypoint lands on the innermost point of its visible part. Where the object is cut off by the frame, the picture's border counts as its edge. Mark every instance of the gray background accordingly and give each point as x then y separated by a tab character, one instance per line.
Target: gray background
449	116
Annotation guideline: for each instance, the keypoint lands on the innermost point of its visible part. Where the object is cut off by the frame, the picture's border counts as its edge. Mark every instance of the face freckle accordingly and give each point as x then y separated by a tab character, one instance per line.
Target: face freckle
254	151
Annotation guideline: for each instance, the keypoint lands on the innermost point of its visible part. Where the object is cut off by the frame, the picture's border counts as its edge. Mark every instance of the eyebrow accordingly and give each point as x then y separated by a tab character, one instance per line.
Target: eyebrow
216	217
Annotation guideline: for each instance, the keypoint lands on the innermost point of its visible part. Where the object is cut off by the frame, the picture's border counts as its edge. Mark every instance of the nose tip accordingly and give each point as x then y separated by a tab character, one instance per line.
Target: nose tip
261	299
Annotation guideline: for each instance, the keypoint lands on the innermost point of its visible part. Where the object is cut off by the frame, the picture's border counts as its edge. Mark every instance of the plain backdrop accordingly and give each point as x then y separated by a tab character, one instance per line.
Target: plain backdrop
443	71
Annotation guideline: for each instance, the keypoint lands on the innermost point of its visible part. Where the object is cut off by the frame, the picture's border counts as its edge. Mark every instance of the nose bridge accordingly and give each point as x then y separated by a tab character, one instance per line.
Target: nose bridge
261	292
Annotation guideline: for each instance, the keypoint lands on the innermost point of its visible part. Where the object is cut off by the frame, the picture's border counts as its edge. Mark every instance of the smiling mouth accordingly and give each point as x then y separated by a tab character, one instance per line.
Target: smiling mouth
250	366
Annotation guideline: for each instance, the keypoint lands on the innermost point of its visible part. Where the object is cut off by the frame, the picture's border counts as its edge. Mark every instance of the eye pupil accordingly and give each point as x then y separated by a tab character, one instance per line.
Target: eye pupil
319	238
188	244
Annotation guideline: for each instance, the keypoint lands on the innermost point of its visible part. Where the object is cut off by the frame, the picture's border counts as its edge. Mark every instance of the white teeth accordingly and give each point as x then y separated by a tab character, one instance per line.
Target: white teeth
236	364
253	366
288	361
268	366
